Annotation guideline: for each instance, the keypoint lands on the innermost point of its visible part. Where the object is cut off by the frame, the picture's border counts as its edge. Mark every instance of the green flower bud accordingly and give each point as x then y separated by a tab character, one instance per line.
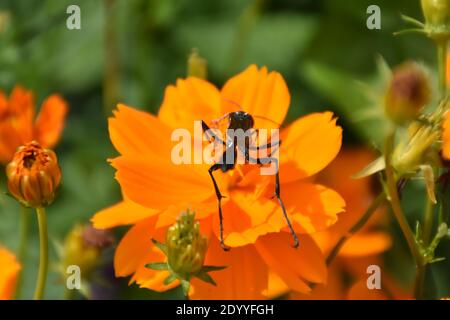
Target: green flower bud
186	247
197	66
437	18
408	92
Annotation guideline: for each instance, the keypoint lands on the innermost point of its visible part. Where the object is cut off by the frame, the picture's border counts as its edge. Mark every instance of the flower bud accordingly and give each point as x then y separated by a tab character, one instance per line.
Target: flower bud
83	246
33	175
186	247
407	94
197	65
437	18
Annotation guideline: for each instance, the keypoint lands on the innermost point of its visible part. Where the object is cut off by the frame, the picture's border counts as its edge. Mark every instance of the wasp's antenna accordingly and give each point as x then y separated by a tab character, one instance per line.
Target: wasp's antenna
233	103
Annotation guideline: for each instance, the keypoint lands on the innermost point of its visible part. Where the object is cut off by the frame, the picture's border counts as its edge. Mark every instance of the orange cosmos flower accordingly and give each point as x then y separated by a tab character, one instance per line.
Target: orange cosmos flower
9	271
348	273
18	125
156	191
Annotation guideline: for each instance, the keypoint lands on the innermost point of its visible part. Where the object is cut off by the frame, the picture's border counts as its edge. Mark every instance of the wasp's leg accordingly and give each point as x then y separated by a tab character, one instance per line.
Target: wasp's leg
277	192
210	134
219	199
266	146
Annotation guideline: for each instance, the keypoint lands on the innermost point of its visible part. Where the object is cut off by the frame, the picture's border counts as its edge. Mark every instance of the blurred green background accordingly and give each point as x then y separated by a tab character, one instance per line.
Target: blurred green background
130	50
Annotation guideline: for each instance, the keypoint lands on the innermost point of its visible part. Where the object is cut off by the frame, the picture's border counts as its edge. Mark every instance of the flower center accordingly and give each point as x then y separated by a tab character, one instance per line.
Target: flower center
29	160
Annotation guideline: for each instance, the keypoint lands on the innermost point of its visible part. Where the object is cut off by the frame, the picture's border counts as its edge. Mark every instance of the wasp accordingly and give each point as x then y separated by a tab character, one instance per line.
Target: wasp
240	120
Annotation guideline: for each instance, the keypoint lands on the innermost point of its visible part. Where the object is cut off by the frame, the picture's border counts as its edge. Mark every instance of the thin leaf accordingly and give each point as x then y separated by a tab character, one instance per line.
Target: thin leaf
185	285
212	268
428	175
437	260
374	167
412	21
206	278
161	246
157	266
408	31
171	278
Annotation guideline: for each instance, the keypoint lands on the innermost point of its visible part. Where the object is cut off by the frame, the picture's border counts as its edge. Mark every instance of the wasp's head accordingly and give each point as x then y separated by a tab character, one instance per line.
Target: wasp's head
240	120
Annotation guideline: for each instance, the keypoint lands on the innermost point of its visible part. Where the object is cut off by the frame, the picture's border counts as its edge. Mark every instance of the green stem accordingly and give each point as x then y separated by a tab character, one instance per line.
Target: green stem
23	243
43	254
428	222
111	79
442	65
400	216
419	281
356	227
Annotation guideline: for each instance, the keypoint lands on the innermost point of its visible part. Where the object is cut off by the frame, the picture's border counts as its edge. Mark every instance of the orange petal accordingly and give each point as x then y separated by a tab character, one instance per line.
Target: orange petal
359	291
50	121
312	207
9	271
245	219
277	287
446	137
21	104
134	132
309	145
123	213
158	183
191	99
366	244
258	92
245	277
134	247
333	289
293	266
136	250
3	102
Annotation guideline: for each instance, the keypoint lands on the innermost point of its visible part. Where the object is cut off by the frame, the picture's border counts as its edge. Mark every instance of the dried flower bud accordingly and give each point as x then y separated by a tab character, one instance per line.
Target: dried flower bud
197	65
437	18
83	246
33	175
407	94
186	247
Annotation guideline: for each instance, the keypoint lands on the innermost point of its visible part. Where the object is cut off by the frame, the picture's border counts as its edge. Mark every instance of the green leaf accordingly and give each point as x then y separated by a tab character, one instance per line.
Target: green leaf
161	246
206	278
363	112
157	266
171	278
437	260
373	167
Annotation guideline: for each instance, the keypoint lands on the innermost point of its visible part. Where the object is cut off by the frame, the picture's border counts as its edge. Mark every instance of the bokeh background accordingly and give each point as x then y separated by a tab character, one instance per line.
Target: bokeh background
130	50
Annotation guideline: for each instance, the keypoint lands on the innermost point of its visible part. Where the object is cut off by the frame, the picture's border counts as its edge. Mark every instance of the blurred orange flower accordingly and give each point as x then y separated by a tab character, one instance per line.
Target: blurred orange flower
156	190
9	271
348	273
18	125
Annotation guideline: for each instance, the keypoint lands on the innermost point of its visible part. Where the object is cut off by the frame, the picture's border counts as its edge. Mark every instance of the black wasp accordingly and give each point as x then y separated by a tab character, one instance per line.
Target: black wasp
240	120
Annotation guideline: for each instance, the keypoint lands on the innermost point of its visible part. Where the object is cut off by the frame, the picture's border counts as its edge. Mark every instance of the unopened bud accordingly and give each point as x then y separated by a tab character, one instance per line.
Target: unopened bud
33	175
407	94
186	247
83	246
197	65
437	18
